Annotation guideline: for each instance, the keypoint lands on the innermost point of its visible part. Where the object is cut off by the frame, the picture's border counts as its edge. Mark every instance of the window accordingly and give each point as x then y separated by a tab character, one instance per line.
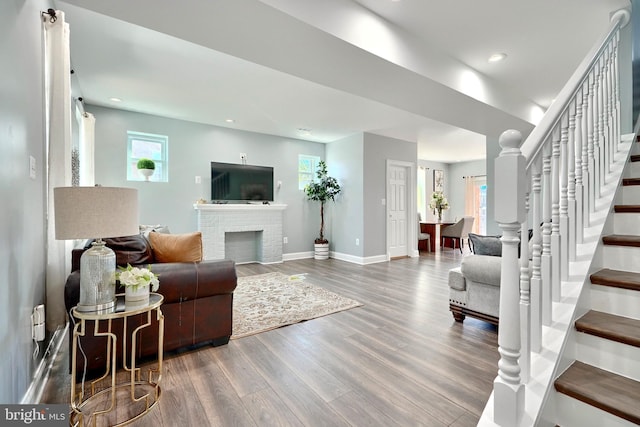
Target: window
145	145
307	166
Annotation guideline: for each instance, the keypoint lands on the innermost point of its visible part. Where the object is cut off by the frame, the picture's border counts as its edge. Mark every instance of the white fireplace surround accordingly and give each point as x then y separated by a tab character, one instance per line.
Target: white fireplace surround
216	220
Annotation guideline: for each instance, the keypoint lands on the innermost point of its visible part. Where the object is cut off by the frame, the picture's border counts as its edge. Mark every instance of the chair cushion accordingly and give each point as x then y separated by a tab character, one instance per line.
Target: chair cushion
485	245
176	247
482	269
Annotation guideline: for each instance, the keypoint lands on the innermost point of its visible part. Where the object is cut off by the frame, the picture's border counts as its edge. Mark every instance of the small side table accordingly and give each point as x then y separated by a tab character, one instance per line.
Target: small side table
140	394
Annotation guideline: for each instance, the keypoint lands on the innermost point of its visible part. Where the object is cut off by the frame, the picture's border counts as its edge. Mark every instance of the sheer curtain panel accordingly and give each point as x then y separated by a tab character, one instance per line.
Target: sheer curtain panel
58	155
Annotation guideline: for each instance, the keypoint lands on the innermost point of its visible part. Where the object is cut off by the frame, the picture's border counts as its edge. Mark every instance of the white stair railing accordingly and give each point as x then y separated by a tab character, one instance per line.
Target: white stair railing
557	174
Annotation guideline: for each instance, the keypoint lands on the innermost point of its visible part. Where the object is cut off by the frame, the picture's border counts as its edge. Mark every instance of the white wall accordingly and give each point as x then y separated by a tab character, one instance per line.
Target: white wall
22	219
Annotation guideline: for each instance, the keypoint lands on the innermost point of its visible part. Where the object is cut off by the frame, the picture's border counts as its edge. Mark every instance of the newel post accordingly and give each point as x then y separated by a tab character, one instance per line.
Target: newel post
510	191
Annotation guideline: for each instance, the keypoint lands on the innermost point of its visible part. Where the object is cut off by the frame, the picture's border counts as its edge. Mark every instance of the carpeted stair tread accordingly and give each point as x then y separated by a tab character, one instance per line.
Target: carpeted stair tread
617	278
627	208
622	240
605	390
609	326
631	181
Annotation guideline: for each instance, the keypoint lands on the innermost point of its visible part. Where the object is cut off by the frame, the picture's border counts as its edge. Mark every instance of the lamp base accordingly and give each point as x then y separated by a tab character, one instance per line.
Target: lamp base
97	278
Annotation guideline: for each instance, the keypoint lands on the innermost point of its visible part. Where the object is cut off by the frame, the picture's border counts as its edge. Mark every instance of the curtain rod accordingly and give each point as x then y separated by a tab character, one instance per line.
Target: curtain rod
52	15
474	176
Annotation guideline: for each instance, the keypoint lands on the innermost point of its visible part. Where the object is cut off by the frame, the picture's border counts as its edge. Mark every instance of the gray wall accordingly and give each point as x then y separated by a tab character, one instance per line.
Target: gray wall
493	151
22	219
377	150
456	194
344	218
192	147
430	167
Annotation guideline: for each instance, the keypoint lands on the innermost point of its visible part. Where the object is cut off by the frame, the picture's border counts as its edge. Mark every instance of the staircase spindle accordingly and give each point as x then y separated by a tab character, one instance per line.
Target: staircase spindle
536	239
578	192
597	154
586	221
571	189
564	199
555	214
546	235
525	296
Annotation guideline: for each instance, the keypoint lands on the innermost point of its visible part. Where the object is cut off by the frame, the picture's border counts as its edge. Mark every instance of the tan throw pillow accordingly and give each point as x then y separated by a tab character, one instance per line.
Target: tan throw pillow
176	247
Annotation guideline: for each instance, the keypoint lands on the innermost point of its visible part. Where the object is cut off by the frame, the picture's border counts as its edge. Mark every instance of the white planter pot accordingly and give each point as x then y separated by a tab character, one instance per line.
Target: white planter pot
146	173
321	251
138	295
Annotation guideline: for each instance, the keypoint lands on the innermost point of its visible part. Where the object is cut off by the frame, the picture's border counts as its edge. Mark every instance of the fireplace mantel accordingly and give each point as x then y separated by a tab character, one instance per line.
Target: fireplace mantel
215	221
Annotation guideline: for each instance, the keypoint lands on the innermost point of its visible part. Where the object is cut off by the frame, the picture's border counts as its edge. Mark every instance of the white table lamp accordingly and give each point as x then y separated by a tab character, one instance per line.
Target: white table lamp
96	213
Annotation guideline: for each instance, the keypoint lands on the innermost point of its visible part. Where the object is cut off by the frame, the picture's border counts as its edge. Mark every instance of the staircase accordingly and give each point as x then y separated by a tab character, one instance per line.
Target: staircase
602	386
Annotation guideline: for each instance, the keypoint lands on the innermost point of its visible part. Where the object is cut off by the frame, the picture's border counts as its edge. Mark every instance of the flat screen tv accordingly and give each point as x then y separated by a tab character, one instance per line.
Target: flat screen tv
241	183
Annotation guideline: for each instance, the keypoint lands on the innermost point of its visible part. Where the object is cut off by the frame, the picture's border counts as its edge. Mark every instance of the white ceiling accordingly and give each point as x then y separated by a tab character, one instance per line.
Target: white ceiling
414	70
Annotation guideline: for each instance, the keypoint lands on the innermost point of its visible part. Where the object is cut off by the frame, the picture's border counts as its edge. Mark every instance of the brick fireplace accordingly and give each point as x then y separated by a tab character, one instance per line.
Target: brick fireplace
241	231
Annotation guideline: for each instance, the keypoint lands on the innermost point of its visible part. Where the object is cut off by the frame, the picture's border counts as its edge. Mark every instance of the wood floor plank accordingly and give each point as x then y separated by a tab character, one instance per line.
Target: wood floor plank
221	403
267	409
236	367
296	395
318	379
400	359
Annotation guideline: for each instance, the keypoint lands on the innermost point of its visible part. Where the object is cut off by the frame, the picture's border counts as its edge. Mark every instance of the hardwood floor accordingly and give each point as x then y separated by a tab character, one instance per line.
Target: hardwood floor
398	360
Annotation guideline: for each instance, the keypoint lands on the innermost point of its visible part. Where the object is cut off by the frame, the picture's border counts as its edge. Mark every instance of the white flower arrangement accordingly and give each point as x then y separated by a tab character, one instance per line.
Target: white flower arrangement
438	202
136	277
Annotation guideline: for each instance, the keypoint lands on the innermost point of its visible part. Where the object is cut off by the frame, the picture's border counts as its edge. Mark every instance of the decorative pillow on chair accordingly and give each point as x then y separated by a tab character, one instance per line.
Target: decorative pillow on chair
485	245
176	247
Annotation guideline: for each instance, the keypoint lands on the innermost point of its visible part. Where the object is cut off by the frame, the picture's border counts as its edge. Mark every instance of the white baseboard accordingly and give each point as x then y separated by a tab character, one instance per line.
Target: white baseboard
297	255
33	394
359	260
338	255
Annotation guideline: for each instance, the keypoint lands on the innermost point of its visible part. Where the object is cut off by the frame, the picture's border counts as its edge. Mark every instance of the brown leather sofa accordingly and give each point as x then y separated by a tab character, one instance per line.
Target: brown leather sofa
197	307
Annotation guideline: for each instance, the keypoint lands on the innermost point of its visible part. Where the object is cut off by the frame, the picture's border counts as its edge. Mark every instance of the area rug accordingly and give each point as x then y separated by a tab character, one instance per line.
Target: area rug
272	300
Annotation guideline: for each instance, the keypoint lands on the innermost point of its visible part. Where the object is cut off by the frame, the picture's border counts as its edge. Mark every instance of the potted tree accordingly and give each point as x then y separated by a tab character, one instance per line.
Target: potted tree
323	189
146	168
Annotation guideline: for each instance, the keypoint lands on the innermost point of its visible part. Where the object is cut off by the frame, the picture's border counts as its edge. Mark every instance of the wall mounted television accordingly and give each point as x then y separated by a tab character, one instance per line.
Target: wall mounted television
241	183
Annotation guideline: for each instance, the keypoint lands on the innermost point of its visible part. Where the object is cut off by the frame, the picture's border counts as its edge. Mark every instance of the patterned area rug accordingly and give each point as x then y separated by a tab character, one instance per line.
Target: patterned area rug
272	300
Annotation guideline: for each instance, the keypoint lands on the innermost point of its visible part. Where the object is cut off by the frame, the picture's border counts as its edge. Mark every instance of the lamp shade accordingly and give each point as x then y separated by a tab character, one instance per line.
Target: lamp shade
95	212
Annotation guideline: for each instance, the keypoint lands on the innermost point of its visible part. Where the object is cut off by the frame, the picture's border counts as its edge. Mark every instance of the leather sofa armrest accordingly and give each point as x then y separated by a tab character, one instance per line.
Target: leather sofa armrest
183	281
179	281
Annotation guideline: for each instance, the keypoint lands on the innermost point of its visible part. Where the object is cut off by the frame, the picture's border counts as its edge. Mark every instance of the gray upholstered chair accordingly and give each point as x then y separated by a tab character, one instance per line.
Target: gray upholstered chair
457	232
423	236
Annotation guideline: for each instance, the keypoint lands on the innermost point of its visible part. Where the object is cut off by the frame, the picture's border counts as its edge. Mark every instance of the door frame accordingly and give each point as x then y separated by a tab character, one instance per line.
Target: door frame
410	197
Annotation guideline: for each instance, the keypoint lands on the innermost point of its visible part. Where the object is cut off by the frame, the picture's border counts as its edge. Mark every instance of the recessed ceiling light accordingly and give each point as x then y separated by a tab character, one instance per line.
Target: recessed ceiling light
496	57
115	99
230	121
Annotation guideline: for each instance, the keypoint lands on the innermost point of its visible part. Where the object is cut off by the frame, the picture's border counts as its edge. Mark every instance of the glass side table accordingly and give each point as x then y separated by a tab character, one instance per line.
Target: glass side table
132	398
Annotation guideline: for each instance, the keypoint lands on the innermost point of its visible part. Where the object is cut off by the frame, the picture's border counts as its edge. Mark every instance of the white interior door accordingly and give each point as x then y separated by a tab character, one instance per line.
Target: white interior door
397	209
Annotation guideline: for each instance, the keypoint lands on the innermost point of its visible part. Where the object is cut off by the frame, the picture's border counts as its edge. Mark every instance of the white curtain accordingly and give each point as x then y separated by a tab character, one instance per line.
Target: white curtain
86	133
473	201
58	156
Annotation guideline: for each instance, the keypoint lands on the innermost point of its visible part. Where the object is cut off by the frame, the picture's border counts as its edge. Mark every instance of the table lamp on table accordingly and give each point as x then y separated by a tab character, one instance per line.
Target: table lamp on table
96	213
